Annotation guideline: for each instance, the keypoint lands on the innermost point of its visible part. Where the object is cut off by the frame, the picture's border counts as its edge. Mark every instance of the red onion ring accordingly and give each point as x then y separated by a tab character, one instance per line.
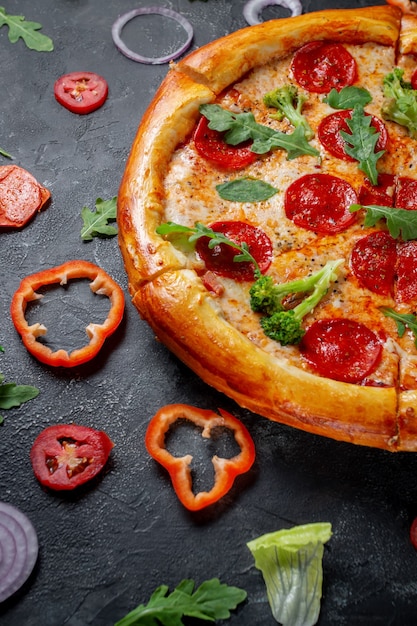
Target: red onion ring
252	9
18	549
122	20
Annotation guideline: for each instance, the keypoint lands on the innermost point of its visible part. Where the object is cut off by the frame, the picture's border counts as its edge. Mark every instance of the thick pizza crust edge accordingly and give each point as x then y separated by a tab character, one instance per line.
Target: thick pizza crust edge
194	332
256	380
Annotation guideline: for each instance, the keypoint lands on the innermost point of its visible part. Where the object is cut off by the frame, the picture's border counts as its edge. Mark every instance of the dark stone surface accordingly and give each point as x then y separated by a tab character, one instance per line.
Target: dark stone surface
104	549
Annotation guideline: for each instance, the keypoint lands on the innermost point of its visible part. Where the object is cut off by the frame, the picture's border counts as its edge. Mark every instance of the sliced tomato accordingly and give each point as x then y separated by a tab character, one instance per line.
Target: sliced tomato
321	66
329	135
373	262
220	258
406	286
81	92
341	349
66	456
211	146
21	196
320	202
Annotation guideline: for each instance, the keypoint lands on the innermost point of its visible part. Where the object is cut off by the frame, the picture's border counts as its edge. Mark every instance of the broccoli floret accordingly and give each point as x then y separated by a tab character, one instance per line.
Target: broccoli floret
264	296
401	101
283	325
289	103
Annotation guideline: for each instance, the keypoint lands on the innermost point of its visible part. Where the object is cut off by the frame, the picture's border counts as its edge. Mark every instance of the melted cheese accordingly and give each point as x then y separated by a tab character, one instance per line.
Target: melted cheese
190	188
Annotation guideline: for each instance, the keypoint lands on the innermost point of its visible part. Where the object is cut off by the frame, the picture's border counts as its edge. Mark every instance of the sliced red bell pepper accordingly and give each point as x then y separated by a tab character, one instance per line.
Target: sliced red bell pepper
178	468
101	284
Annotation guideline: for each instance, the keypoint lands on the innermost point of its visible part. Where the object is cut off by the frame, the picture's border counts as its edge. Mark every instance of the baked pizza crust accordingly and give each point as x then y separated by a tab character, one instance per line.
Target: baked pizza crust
172	298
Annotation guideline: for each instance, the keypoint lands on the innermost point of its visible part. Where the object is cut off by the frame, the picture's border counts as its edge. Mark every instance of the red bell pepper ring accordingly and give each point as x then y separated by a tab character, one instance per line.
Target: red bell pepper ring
225	470
101	284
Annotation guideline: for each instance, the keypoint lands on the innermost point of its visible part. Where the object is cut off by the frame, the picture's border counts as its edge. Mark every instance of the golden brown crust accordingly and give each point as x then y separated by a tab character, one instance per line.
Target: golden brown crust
228	361
168	120
173	300
213	65
408	37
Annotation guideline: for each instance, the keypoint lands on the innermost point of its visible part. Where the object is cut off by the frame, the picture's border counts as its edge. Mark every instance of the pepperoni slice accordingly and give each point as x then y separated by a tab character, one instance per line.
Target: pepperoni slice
320	202
381	194
341	349
406	193
373	262
329	135
220	258
210	145
406	287
319	67
21	196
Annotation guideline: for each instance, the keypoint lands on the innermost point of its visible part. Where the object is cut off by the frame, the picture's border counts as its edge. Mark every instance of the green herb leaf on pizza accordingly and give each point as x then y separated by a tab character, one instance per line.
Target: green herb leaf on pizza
361	142
400	222
240	127
246	190
348	97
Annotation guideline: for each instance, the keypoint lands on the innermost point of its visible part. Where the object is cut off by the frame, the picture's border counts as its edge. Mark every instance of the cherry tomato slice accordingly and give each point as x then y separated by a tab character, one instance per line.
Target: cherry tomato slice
81	92
211	146
66	456
220	259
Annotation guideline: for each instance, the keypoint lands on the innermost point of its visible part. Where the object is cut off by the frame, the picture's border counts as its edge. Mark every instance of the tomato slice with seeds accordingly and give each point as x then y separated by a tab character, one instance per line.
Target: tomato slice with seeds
66	456
81	92
373	262
321	66
329	135
341	349
320	203
220	258
210	145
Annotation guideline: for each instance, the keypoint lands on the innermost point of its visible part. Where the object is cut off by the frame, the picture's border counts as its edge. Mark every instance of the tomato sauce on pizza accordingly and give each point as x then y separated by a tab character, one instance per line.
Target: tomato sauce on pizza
340	189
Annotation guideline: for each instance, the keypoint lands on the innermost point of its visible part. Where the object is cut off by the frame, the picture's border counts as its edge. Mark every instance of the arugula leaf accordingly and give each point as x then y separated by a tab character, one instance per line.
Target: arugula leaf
211	601
28	31
216	239
96	223
291	564
5	154
246	190
348	97
239	127
403	321
12	395
400	222
360	145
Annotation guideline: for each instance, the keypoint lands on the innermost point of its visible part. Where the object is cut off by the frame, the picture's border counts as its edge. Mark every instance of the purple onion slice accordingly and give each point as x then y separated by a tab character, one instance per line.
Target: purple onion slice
18	549
122	20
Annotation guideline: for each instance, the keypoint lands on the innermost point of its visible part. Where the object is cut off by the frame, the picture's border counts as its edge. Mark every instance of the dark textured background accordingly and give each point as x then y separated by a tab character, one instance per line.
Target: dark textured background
104	549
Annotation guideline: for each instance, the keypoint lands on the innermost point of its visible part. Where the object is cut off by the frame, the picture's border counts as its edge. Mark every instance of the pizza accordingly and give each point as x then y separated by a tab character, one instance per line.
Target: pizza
224	193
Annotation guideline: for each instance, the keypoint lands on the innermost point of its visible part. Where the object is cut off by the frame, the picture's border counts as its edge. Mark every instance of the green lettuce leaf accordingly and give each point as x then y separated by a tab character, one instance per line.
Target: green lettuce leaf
291	564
